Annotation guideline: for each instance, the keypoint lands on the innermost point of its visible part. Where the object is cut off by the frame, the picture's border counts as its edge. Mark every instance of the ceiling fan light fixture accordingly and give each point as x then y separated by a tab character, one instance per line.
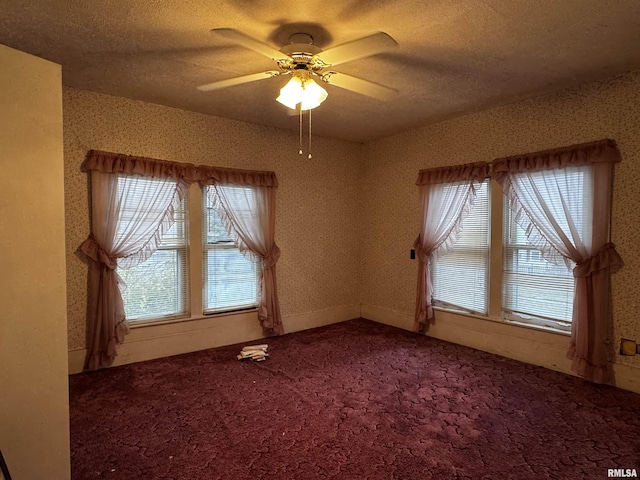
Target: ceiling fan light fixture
290	94
303	60
301	89
312	95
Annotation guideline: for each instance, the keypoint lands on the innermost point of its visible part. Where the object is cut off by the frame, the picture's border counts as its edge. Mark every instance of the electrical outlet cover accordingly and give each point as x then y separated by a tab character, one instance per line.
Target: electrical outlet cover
627	347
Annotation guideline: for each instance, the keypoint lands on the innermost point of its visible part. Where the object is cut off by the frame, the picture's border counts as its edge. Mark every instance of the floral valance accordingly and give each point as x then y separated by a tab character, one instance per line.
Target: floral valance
602	151
207	175
107	162
470	171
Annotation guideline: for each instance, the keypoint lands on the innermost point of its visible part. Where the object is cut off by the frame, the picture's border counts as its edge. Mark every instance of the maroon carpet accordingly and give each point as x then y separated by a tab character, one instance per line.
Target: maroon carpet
356	400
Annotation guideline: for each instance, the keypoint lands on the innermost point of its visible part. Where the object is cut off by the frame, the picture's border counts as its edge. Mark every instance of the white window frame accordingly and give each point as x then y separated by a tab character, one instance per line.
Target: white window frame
497	251
194	226
558	279
180	247
563	282
474	251
224	243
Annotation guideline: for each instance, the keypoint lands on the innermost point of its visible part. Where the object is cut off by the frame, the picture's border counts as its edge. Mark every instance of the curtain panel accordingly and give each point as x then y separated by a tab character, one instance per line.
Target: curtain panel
124	234
557	230
118	240
446	196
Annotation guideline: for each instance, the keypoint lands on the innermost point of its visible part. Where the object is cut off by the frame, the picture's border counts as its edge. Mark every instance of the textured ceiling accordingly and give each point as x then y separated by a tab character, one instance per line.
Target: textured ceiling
453	56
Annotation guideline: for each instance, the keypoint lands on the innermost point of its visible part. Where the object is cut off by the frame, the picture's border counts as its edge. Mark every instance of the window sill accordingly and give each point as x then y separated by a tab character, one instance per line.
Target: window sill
504	322
135	324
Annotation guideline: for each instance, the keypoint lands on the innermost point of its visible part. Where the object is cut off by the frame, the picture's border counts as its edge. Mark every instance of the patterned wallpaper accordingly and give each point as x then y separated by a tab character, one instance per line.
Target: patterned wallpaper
317	219
607	109
347	219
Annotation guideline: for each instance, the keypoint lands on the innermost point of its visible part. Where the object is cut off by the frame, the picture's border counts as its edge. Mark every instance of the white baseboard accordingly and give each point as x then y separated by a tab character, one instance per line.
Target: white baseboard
305	321
164	340
627	378
527	345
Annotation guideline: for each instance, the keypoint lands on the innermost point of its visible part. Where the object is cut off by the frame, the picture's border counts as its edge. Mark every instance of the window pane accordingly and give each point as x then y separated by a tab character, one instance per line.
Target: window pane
536	291
460	278
230	280
215	231
535	288
157	288
153	288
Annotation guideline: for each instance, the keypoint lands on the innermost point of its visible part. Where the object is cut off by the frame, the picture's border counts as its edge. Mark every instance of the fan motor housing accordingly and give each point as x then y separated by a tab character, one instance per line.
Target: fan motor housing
300	49
300	60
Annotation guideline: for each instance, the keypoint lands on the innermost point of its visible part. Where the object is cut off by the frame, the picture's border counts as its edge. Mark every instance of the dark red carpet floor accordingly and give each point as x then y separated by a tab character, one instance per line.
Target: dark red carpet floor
356	400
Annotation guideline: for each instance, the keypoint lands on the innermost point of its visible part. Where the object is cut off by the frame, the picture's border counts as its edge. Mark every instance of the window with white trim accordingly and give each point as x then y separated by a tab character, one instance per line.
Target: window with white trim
534	290
230	281
178	282
460	278
158	287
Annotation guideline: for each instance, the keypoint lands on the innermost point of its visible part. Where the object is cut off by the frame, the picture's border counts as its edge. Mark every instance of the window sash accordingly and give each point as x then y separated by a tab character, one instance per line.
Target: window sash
460	278
230	281
535	291
157	289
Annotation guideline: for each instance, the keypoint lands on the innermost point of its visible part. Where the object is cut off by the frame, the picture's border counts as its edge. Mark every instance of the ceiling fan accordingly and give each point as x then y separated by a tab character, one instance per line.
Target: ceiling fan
304	61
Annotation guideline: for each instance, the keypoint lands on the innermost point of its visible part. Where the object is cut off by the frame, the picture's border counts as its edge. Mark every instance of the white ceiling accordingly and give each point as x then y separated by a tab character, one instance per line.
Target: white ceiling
453	56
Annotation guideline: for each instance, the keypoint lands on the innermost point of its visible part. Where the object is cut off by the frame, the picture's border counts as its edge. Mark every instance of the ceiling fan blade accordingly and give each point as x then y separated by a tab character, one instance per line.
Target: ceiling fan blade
363	47
358	85
236	81
244	40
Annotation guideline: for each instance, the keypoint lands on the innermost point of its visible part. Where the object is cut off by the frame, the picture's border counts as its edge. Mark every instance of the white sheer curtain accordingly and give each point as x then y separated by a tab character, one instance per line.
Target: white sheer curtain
248	214
446	196
129	214
547	190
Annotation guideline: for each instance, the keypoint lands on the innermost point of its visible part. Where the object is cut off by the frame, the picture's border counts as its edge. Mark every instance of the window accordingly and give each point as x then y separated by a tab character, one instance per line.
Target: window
131	215
156	288
534	290
230	281
460	278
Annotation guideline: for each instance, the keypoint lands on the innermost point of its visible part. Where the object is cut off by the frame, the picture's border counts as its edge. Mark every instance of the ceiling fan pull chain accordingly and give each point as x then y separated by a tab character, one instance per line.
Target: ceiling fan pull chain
300	151
309	156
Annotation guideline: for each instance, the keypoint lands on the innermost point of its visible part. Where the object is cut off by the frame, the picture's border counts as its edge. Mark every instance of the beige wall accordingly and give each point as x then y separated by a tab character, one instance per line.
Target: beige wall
317	227
34	413
347	219
609	109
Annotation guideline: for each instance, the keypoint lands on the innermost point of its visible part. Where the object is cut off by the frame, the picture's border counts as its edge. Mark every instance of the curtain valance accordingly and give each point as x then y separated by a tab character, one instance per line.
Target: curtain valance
207	175
107	162
602	151
471	171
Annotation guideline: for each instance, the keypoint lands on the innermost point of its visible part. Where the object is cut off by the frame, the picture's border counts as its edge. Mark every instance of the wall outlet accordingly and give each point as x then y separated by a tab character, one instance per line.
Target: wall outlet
628	347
